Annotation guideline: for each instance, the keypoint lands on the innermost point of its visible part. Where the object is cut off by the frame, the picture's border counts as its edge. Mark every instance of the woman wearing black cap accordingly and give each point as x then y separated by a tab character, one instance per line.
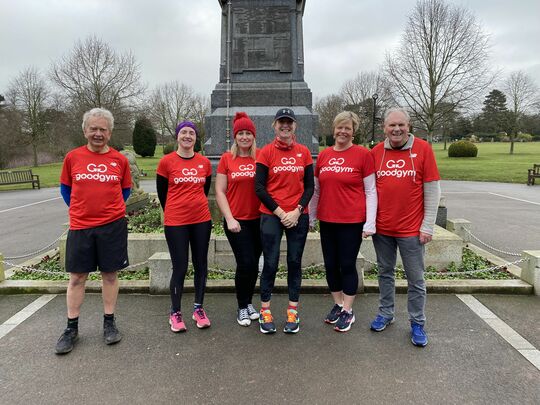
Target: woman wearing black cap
235	196
284	184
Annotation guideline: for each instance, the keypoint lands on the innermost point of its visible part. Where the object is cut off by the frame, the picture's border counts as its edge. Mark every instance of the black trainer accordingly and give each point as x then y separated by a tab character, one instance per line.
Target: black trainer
67	341
334	313
111	335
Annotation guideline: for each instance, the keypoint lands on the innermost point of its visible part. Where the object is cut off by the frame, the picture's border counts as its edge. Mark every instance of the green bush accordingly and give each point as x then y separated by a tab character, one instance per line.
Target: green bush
144	138
170	147
462	149
524	137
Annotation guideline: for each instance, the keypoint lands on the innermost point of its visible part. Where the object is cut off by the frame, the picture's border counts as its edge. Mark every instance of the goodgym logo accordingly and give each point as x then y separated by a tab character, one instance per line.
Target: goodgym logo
288	166
395	164
335	161
190	176
245	171
395	169
96	173
288	161
92	168
335	165
189	172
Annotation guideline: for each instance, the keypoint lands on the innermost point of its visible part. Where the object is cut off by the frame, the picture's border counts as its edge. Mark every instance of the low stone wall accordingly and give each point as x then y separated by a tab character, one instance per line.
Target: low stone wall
530	269
161	270
445	248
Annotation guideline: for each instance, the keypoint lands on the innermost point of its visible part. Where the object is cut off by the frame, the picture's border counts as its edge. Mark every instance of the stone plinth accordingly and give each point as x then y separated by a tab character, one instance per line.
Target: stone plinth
261	70
530	269
263	117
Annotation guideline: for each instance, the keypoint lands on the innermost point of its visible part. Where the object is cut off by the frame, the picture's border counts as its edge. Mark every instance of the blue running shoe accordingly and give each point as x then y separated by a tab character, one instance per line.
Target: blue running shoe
346	319
333	315
418	335
266	321
380	323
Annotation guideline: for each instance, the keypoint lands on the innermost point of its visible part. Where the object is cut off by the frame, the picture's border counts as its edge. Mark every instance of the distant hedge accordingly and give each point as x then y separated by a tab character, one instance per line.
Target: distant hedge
170	147
144	138
462	149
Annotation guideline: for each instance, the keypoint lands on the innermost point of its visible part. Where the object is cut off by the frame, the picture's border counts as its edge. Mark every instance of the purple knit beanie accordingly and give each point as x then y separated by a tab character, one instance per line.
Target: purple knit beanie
186	124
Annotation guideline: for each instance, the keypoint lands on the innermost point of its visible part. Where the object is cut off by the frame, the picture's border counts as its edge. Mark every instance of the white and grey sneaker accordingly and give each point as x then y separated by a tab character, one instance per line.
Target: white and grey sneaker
242	316
253	313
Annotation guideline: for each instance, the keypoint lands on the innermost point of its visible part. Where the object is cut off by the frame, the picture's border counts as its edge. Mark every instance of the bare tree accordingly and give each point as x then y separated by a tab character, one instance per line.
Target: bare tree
94	75
169	104
10	133
327	108
441	63
358	94
29	95
522	95
200	107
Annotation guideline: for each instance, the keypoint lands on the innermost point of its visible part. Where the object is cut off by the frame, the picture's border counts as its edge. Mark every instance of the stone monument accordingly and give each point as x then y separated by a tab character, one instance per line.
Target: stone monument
261	70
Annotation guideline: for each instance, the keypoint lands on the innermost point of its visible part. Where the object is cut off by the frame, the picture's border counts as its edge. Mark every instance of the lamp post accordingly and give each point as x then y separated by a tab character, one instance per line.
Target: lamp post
374	97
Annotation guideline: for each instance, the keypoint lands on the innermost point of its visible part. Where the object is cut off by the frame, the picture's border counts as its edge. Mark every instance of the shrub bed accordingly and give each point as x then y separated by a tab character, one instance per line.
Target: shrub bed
471	261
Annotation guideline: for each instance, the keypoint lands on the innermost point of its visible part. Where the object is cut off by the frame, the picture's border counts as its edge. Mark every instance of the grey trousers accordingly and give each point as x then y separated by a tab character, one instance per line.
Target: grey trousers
412	256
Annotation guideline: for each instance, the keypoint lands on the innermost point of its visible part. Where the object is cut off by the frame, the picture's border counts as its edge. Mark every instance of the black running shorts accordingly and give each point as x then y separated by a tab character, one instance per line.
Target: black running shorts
103	247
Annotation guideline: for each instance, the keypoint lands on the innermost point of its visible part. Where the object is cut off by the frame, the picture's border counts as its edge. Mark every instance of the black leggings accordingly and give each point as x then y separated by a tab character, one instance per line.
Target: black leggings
271	234
247	249
178	240
340	245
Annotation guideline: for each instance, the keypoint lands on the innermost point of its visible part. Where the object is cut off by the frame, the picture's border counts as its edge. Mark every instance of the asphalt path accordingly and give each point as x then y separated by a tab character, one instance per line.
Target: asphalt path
505	216
30	220
466	361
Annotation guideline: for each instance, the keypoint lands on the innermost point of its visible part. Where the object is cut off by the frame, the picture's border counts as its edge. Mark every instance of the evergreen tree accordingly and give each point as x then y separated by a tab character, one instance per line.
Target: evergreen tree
144	137
494	113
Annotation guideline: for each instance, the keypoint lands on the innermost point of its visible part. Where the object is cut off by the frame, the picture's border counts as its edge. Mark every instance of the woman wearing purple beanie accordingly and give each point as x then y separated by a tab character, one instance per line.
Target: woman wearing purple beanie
182	182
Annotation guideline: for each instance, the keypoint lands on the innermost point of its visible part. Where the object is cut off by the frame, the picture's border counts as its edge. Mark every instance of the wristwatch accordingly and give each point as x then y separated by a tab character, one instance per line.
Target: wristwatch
300	208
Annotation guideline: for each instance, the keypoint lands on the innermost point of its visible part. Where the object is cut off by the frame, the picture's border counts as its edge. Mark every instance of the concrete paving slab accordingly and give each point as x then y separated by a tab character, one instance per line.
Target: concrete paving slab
465	362
11	304
521	313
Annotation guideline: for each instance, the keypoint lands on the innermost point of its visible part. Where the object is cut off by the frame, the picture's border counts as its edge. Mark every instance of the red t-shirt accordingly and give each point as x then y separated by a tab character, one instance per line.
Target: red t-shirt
285	174
341	179
186	201
401	175
96	181
241	196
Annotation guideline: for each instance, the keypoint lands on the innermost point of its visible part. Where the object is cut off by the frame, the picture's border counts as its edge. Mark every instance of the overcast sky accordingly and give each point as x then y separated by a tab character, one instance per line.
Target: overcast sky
180	39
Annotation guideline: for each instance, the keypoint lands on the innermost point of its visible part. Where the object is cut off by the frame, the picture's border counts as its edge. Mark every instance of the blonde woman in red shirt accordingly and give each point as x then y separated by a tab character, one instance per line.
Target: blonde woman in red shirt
345	202
235	196
284	184
182	182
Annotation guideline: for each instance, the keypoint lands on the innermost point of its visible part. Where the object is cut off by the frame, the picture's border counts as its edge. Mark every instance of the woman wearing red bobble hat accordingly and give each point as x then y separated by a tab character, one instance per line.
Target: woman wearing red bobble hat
182	183
235	196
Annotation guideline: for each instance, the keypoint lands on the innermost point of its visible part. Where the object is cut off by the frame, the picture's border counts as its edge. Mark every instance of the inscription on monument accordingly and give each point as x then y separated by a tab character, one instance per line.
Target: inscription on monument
261	39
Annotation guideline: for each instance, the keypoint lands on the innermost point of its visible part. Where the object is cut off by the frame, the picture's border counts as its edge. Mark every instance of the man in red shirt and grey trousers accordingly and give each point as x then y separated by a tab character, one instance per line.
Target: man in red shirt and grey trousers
408	192
95	183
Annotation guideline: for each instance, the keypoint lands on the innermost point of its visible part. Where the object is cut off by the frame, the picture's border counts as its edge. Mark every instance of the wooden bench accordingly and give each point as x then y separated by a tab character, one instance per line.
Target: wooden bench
533	174
19	177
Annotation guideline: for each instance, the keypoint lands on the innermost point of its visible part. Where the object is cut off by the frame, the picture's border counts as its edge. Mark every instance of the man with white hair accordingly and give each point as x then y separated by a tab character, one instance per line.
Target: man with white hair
95	183
408	196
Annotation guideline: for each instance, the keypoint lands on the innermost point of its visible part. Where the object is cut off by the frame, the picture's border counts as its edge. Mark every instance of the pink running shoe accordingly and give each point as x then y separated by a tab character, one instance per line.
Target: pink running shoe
200	317
176	322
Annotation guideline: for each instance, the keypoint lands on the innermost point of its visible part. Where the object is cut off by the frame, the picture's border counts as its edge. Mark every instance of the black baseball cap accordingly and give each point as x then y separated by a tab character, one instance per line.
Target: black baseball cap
285	113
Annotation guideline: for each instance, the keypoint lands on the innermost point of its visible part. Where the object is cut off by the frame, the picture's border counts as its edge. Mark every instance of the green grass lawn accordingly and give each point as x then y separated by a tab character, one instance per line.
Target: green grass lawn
493	163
